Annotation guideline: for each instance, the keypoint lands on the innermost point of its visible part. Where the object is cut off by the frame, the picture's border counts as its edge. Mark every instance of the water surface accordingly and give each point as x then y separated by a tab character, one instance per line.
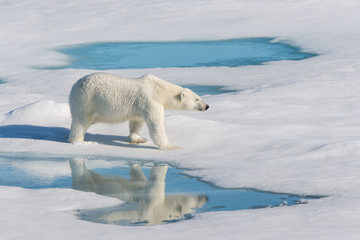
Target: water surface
209	89
227	53
152	192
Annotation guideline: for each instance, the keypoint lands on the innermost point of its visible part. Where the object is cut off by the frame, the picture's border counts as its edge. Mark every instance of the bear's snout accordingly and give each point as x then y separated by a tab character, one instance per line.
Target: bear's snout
203	107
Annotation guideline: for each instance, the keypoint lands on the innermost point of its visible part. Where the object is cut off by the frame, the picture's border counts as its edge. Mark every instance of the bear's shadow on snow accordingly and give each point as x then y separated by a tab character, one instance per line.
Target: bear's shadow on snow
61	134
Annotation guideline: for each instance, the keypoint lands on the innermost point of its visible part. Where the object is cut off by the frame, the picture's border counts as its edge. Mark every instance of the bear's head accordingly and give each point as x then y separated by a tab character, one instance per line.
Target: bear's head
191	101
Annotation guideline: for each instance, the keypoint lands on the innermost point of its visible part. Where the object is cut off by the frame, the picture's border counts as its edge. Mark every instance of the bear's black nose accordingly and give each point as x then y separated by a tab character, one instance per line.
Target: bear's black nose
207	107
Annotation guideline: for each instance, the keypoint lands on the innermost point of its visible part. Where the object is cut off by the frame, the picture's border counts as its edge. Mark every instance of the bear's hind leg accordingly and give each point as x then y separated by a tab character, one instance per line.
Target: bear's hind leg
78	130
135	127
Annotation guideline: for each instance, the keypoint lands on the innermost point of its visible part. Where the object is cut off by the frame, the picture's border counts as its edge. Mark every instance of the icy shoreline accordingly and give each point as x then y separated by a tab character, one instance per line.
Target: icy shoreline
294	127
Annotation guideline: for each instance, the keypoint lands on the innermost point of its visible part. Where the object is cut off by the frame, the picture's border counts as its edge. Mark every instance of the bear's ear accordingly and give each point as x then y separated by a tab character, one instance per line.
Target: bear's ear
182	96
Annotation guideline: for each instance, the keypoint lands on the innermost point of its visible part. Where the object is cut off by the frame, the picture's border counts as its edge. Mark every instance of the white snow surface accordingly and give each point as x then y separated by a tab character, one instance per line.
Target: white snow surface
293	127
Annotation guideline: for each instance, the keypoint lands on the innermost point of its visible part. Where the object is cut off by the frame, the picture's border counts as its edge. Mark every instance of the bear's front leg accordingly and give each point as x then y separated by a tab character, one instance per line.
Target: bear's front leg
154	119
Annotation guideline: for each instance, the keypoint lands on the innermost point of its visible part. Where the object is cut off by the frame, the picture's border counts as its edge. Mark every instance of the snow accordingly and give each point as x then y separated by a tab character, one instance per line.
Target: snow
292	127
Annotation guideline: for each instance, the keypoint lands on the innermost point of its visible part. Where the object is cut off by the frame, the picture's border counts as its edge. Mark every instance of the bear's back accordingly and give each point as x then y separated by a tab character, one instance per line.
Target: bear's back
106	80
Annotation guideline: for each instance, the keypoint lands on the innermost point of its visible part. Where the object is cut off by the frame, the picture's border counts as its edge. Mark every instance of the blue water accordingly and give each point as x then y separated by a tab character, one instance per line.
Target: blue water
15	171
228	53
209	89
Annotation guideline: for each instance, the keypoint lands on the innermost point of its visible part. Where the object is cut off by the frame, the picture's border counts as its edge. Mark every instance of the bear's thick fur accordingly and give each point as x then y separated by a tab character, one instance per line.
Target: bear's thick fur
107	98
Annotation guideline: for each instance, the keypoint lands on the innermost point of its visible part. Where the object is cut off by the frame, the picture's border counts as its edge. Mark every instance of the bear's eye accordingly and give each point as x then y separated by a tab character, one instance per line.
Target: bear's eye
196	100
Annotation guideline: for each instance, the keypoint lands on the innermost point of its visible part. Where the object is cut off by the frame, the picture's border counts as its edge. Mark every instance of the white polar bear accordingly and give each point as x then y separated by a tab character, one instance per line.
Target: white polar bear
102	97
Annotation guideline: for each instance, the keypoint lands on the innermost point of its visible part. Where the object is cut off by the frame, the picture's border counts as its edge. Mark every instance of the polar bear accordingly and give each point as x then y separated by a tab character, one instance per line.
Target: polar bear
107	98
151	204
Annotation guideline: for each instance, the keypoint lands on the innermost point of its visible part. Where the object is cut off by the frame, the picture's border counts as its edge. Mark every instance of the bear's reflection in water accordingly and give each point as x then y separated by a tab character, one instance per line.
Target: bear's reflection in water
146	202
